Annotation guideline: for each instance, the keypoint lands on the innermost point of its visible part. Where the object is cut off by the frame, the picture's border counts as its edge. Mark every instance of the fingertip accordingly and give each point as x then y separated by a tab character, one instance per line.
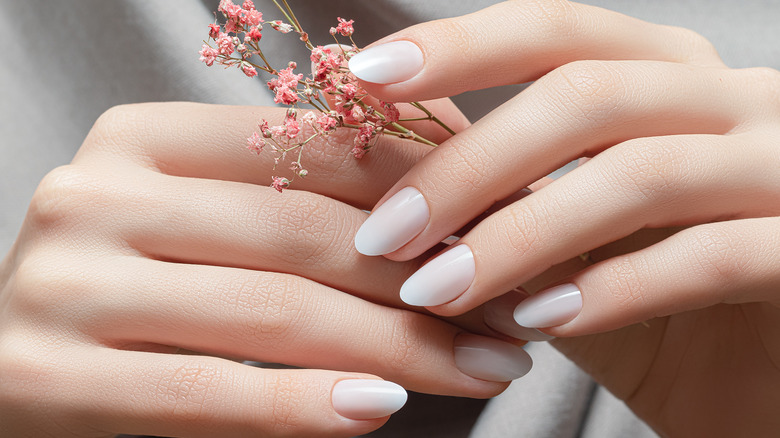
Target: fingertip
367	399
388	63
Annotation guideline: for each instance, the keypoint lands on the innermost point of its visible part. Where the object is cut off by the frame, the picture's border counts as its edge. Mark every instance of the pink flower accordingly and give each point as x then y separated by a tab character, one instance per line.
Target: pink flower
364	135
214	30
291	124
349	91
358	152
254	34
225	44
256	143
391	112
327	122
208	55
345	27
230	9
281	26
248	69
252	17
285	86
280	183
248	5
233	26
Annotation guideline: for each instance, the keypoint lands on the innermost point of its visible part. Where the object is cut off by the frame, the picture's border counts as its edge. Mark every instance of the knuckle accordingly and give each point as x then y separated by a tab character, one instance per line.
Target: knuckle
693	46
114	126
595	89
654	170
42	285
405	337
719	256
304	230
466	163
60	198
267	308
190	392
519	228
555	17
765	82
286	393
621	278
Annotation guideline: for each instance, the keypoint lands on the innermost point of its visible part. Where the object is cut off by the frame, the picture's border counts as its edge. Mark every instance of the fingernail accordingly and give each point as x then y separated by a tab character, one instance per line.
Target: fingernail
388	63
498	315
365	399
552	307
441	280
393	224
490	359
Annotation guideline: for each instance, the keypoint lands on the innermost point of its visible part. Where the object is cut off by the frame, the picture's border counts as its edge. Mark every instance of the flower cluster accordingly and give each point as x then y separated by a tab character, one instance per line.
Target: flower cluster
331	90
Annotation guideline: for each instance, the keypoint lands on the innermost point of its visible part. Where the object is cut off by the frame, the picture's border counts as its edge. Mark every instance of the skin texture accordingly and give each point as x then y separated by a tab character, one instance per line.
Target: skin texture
676	139
162	237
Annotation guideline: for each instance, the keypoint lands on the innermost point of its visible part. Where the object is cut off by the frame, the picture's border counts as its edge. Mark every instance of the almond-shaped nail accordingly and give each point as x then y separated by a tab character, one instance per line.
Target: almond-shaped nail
552	307
490	359
387	63
393	224
442	279
365	399
498	315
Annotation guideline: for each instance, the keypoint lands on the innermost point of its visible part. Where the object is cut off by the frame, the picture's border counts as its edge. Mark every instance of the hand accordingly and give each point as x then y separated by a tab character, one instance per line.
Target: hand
161	237
676	139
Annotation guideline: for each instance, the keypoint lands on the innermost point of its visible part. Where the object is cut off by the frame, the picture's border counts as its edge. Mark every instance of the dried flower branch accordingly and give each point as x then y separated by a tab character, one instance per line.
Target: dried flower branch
331	89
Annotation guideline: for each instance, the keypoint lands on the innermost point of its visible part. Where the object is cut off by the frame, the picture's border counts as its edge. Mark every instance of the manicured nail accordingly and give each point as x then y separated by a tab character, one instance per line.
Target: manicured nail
441	280
552	307
490	359
393	224
388	63
365	399
498	315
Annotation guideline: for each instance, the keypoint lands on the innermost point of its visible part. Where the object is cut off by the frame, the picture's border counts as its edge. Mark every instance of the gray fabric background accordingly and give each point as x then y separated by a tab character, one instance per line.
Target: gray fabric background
67	61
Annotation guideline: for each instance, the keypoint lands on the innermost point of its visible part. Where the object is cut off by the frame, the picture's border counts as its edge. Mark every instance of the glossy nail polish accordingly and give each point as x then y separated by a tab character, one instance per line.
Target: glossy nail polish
490	359
498	315
364	399
388	63
393	224
442	279
552	307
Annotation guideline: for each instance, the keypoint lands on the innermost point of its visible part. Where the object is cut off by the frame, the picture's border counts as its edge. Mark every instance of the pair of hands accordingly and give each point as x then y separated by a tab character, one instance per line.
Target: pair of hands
160	237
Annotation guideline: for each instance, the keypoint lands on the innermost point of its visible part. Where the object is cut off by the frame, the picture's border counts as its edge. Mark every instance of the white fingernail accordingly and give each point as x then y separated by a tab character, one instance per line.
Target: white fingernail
393	224
365	399
552	307
442	279
388	63
498	315
490	359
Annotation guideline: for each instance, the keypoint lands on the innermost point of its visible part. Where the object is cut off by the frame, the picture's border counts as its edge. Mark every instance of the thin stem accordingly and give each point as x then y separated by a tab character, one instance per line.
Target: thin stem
297	23
278	6
433	118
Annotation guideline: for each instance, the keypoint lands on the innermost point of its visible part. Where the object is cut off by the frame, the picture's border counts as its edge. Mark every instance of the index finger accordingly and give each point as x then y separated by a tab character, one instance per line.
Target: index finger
514	42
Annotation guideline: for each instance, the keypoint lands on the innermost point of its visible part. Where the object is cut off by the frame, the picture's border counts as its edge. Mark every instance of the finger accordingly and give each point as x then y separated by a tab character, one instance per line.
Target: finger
221	223
652	182
606	103
195	396
514	42
734	262
280	318
210	142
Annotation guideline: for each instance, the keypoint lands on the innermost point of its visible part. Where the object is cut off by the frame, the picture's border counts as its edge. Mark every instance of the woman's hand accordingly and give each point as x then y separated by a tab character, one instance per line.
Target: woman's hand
676	139
161	237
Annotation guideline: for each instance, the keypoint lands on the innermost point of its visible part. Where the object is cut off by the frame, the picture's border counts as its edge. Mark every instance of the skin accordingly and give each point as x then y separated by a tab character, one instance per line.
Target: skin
676	139
159	257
